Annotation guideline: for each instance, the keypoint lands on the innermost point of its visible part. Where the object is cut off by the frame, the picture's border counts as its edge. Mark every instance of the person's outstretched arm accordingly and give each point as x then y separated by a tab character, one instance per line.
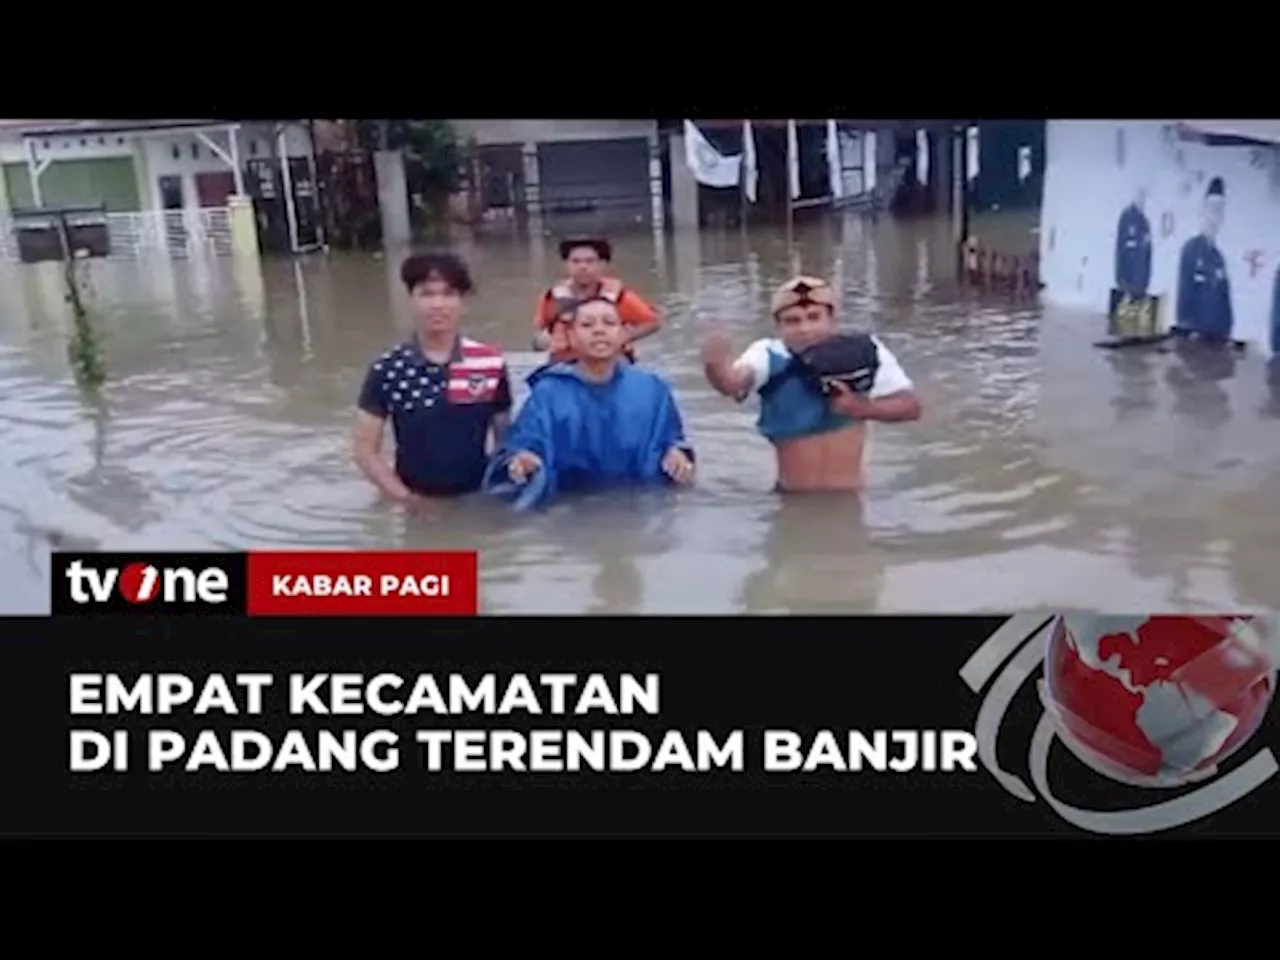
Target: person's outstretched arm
672	453
730	376
372	414
526	458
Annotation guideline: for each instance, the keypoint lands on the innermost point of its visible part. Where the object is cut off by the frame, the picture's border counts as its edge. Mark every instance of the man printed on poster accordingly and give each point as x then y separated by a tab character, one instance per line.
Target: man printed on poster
1133	247
1204	289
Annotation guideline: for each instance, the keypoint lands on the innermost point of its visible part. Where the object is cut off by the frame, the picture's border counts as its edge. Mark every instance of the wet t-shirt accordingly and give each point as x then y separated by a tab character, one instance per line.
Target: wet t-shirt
440	413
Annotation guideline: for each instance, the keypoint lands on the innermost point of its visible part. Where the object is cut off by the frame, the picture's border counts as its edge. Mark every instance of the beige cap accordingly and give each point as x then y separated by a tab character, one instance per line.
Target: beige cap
803	290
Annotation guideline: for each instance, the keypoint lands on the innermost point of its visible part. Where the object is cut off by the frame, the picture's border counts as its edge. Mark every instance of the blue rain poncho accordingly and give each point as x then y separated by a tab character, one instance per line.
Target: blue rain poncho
589	436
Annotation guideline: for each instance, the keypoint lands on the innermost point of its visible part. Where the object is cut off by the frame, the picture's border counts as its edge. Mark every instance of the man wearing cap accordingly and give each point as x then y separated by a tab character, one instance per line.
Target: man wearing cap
1204	290
586	261
819	438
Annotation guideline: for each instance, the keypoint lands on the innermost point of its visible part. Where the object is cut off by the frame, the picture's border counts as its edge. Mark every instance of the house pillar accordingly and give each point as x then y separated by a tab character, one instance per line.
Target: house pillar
684	187
250	284
142	174
286	185
655	181
393	198
941	143
244	227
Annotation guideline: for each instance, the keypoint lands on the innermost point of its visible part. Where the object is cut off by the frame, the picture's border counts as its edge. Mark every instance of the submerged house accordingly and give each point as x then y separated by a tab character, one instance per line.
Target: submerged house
567	175
166	183
911	166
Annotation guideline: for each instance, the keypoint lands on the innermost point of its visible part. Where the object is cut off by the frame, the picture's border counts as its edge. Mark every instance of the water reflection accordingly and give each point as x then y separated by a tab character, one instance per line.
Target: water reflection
1137	385
1197	382
1271	405
1046	472
817	556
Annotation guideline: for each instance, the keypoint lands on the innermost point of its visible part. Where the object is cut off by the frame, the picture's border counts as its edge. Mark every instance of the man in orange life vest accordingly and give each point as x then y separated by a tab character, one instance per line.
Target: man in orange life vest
585	263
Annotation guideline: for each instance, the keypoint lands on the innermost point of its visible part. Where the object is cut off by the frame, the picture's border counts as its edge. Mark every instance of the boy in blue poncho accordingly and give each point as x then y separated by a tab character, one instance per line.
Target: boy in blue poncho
597	423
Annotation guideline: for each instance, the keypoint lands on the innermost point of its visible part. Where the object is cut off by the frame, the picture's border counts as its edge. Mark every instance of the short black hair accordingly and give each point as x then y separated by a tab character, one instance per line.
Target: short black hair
447	267
578	305
600	245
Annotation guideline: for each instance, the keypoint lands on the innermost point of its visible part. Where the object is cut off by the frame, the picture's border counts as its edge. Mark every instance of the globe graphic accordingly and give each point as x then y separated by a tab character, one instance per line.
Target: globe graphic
1156	701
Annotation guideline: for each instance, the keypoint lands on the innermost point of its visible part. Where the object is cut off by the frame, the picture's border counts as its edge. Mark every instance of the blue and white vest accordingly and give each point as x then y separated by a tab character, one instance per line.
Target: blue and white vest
791	406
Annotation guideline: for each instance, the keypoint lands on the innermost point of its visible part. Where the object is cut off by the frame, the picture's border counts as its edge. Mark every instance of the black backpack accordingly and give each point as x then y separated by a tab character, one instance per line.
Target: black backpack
851	358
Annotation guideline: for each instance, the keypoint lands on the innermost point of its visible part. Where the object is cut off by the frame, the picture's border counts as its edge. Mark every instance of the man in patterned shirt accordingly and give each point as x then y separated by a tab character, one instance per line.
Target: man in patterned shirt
447	397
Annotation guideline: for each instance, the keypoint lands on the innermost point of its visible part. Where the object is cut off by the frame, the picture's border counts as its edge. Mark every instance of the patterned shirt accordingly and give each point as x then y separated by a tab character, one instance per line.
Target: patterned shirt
440	413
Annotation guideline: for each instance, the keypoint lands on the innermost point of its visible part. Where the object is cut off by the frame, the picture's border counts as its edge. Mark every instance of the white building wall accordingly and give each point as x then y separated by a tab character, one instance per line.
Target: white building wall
184	155
1094	169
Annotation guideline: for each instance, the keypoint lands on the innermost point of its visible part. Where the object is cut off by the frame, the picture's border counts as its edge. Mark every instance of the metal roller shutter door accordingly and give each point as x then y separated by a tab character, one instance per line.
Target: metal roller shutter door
595	183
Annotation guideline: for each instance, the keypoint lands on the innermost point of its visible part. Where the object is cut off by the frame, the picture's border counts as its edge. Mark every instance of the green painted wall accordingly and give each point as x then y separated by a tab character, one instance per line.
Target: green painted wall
110	180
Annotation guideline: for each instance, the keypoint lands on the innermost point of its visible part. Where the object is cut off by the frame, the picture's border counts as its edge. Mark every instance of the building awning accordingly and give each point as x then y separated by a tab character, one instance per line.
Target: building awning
1254	131
45	129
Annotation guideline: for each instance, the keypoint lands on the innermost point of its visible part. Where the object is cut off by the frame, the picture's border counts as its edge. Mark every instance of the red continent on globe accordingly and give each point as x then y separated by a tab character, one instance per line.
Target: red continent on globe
1102	712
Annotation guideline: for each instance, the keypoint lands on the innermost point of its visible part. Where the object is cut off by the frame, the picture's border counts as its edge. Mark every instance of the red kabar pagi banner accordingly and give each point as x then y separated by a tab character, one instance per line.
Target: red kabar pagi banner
395	583
283	583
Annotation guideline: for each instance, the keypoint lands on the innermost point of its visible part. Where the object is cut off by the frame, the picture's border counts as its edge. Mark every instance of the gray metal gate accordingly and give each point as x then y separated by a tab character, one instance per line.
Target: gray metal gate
595	184
500	182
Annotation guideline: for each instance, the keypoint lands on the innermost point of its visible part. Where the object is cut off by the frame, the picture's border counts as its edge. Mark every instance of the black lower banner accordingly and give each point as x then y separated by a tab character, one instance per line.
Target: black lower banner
1034	723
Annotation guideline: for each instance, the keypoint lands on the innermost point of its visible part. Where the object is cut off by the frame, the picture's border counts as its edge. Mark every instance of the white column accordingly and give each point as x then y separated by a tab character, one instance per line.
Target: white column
33	172
532	188
286	185
684	188
233	138
393	198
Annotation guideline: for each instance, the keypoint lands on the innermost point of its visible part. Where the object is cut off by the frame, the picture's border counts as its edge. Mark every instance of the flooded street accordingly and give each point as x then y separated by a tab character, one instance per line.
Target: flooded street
1044	473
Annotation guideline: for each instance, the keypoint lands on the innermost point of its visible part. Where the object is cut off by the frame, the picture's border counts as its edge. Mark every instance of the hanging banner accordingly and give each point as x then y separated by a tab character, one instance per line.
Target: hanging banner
710	167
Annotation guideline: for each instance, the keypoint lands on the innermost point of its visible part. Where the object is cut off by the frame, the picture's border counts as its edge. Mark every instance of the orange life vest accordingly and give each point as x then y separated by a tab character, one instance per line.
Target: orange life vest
562	297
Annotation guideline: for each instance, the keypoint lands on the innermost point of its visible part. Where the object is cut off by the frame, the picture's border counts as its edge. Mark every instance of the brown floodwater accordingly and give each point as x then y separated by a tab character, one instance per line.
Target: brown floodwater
1045	472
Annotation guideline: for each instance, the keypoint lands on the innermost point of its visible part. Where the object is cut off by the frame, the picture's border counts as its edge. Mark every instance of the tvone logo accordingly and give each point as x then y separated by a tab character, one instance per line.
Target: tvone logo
142	583
1202	698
